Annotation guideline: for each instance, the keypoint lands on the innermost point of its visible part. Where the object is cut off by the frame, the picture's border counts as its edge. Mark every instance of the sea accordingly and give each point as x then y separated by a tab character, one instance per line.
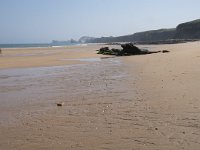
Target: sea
34	45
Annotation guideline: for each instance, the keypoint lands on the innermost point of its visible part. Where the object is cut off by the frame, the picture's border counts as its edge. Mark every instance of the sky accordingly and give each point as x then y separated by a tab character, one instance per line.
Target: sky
40	21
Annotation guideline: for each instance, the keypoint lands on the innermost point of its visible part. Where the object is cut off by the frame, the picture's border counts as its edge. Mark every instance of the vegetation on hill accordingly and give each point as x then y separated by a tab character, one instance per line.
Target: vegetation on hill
184	31
188	30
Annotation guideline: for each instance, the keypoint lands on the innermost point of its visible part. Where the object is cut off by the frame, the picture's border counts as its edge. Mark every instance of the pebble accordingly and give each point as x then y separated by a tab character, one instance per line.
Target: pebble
60	104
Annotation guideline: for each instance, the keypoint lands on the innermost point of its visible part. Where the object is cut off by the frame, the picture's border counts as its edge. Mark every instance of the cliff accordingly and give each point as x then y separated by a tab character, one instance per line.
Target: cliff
184	31
188	30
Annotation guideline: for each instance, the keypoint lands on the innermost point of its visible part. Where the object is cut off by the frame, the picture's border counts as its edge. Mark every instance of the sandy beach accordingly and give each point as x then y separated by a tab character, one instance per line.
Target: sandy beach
144	102
52	56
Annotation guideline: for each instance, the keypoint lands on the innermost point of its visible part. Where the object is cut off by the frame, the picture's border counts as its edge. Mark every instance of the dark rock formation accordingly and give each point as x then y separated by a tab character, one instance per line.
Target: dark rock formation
165	51
128	49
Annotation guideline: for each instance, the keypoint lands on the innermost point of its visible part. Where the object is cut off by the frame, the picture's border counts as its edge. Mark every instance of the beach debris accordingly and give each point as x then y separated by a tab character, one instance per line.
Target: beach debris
60	104
127	50
165	51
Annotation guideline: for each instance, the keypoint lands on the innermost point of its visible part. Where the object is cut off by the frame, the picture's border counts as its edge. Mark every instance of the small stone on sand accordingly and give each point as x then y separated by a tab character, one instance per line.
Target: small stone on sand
60	104
165	51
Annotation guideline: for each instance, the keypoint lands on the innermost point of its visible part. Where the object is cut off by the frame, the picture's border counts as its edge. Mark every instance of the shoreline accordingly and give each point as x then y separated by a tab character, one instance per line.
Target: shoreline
37	57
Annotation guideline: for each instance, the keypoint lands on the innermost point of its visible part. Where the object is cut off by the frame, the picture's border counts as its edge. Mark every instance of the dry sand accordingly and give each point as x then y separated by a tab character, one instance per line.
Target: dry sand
169	87
143	102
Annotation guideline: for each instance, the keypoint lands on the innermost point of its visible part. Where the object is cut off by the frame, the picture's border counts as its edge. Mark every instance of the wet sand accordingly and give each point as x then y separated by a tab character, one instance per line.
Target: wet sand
136	102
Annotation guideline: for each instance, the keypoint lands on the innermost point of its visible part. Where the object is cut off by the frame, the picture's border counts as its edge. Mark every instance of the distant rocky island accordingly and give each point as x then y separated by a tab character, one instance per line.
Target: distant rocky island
56	42
188	31
84	39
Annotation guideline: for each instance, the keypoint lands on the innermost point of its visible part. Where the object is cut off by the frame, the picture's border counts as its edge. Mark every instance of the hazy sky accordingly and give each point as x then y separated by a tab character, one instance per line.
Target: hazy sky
25	21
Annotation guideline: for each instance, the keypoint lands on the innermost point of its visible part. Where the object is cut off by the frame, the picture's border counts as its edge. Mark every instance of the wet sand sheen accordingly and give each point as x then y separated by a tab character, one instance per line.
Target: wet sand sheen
95	96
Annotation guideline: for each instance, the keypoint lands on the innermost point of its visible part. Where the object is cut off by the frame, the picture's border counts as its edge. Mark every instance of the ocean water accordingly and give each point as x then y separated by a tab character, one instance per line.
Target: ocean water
32	45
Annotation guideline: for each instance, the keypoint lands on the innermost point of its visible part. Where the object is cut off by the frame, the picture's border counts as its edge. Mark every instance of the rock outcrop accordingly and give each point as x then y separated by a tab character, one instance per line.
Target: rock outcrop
85	39
127	50
188	30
